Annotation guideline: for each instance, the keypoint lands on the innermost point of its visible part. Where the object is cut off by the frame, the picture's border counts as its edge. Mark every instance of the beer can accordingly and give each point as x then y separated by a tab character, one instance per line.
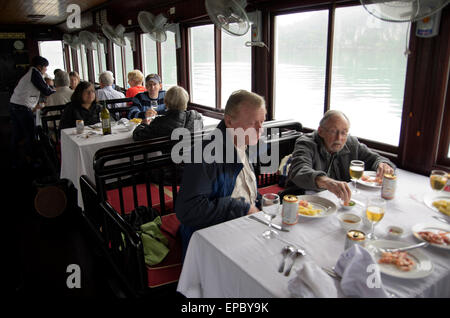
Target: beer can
290	209
80	126
388	186
354	237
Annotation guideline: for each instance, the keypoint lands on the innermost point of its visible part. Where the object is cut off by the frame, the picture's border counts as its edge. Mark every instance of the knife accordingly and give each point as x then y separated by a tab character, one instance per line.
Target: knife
275	226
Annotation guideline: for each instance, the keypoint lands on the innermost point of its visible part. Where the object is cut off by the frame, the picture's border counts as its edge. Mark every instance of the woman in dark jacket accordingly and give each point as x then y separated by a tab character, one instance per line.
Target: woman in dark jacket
82	106
177	116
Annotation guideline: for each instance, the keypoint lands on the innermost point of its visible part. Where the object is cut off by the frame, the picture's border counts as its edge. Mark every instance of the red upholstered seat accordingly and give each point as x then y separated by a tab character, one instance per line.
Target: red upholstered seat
275	188
128	201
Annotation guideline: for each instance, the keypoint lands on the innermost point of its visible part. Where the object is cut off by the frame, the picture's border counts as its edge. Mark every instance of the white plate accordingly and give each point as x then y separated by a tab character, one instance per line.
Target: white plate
369	184
432	227
422	268
327	206
429	198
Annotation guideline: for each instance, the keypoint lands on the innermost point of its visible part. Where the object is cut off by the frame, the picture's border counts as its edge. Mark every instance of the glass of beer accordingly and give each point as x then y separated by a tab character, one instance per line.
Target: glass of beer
375	209
270	207
356	172
438	180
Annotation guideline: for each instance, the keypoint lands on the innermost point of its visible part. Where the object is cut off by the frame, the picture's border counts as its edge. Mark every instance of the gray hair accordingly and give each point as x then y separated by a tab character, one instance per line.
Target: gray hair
240	97
106	78
176	98
330	114
62	79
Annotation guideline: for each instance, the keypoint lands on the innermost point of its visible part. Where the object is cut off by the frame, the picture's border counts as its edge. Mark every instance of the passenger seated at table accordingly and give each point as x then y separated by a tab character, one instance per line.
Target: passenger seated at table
218	190
153	97
74	80
82	106
177	116
107	92
135	80
63	92
321	159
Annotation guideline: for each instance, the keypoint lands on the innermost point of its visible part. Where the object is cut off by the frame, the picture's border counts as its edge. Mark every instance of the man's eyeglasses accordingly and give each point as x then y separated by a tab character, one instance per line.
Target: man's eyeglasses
333	132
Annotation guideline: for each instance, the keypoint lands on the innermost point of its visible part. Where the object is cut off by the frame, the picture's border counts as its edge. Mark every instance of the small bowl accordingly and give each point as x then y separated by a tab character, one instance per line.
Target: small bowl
394	232
349	221
350	205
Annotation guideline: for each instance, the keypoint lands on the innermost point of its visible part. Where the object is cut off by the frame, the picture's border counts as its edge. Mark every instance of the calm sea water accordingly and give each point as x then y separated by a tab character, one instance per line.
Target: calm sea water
372	97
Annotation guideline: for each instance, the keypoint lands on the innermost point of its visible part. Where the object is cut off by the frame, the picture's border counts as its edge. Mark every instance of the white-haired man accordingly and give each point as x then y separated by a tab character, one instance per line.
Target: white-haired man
106	91
321	159
63	91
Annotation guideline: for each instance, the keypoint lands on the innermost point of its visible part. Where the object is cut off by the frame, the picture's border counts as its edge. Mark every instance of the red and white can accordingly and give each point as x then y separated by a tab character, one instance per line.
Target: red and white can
388	186
290	209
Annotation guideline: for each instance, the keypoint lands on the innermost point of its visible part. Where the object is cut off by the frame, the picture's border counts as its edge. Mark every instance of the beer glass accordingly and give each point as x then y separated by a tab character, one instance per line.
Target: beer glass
356	172
270	207
375	209
438	180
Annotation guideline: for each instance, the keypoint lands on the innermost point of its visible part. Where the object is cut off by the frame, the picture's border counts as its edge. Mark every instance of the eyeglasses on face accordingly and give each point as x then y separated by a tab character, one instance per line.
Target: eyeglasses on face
334	132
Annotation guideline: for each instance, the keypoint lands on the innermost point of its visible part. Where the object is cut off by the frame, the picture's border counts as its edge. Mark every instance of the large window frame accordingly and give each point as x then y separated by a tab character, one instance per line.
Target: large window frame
218	107
387	150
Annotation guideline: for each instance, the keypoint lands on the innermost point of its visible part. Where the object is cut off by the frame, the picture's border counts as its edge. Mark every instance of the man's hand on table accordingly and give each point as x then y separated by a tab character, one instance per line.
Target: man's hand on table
339	188
384	168
253	209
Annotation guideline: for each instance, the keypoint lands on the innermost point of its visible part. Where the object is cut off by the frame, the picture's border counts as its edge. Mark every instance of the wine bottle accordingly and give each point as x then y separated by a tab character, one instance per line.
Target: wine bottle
106	120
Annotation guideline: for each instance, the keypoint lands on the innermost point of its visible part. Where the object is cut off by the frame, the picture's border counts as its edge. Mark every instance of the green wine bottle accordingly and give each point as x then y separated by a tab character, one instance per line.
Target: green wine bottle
106	120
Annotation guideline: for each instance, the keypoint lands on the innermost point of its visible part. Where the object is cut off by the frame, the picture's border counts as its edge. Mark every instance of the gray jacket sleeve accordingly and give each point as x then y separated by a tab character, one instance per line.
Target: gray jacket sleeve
301	172
371	159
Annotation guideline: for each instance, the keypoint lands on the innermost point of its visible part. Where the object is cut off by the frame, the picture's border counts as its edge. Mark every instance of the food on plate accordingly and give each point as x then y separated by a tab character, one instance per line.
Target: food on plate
306	208
371	179
350	203
136	120
441	238
443	206
400	259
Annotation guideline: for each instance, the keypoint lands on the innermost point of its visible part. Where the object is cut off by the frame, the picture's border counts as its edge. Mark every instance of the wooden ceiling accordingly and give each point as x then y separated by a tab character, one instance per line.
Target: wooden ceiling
46	12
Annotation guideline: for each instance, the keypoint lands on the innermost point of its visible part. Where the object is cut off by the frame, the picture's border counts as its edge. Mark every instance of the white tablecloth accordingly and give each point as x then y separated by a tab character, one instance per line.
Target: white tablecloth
232	259
77	151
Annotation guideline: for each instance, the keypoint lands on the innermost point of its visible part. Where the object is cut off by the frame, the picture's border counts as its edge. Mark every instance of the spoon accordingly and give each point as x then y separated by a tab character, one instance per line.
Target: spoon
285	251
295	254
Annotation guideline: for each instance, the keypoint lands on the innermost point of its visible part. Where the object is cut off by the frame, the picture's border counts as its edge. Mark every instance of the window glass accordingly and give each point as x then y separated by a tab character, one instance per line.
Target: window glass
300	66
53	52
118	65
80	68
84	63
368	73
69	63
102	57
96	63
203	83
129	63
149	55
236	65
169	61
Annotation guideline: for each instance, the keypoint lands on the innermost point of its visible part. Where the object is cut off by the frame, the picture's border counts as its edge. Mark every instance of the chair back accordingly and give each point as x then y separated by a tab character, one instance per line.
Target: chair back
50	117
117	112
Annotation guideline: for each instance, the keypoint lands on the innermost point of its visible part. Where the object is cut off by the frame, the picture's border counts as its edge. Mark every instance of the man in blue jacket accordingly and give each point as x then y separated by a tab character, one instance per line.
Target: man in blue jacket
213	192
153	97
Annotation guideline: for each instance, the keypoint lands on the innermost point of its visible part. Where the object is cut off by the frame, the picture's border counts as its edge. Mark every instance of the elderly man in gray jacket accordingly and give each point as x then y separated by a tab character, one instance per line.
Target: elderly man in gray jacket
321	159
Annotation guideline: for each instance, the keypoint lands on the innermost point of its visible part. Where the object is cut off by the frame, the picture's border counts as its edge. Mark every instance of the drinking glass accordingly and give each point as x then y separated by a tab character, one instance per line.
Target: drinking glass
270	207
438	180
375	209
356	172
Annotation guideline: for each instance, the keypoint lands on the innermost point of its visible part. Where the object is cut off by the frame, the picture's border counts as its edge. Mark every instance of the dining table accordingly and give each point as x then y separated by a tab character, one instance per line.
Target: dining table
234	260
78	150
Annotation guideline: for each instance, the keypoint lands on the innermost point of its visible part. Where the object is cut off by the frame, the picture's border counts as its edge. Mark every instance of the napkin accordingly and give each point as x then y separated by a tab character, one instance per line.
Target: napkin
311	281
360	274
